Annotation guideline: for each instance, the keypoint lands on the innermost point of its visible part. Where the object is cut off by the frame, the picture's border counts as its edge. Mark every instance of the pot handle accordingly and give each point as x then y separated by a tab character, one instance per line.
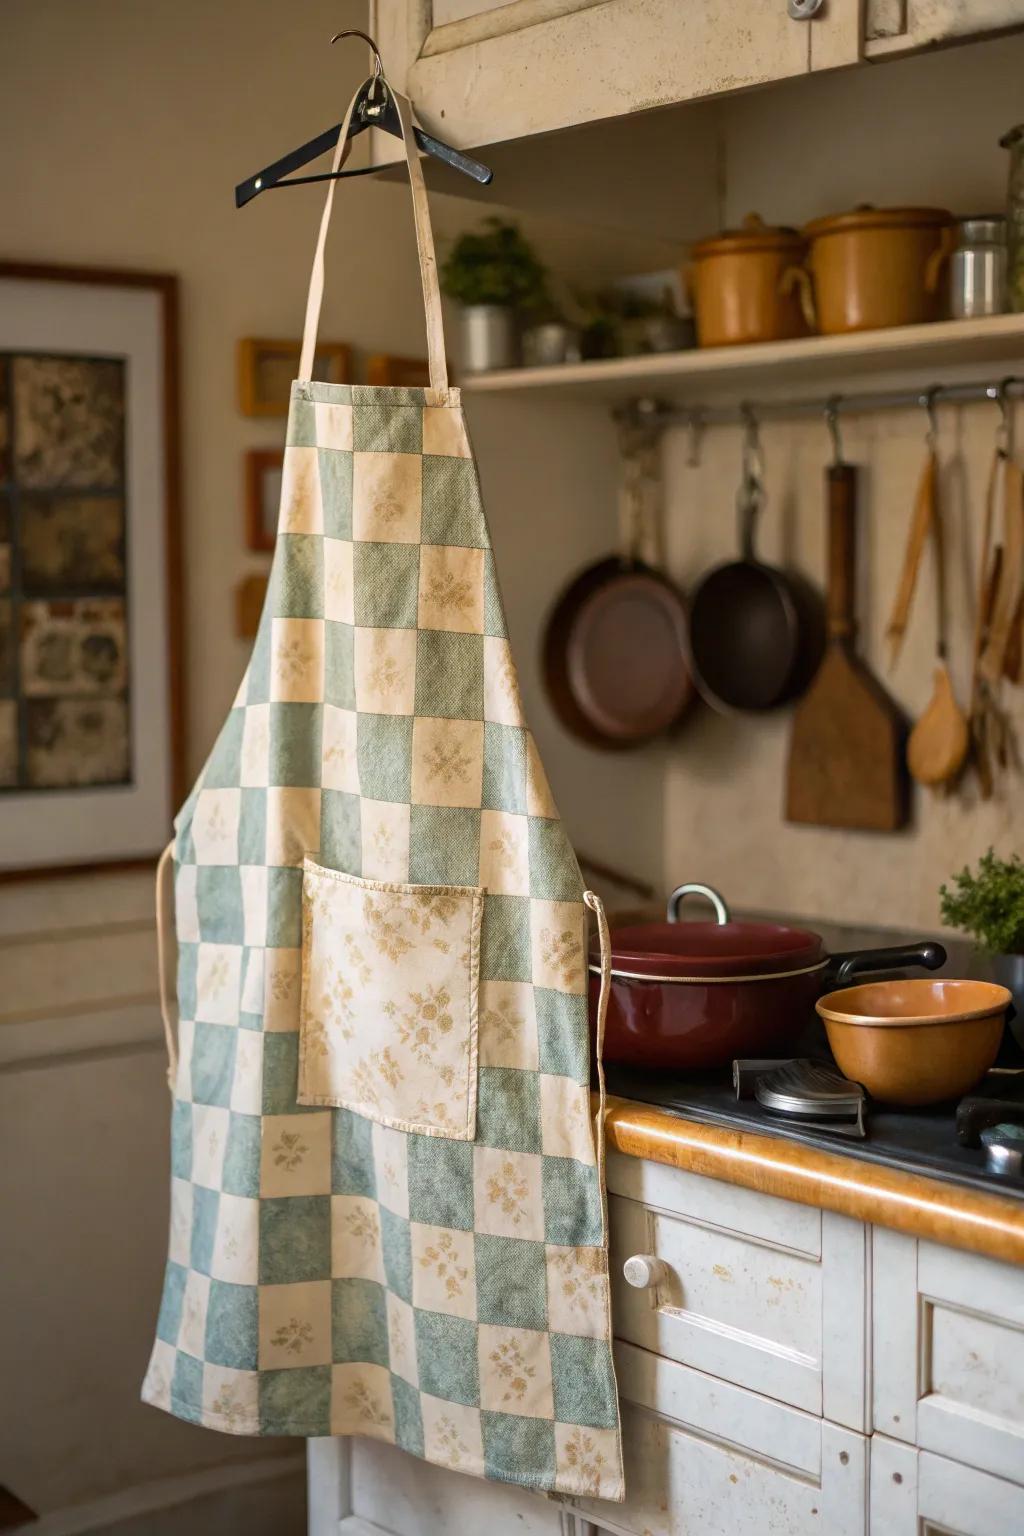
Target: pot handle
800	279
937	259
929	954
718	902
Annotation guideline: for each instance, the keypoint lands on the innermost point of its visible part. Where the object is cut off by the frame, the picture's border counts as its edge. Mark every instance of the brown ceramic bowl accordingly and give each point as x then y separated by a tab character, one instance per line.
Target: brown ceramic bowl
915	1042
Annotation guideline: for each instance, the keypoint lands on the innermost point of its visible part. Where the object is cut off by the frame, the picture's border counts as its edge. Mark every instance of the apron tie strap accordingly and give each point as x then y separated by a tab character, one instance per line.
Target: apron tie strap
594	902
165	863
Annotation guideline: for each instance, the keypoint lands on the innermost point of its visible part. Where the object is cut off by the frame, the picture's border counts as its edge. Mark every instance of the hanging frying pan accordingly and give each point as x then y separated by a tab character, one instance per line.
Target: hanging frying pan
614	654
757	634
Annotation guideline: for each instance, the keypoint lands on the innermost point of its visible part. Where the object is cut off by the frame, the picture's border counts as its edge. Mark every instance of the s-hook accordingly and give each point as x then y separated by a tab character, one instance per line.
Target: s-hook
832	422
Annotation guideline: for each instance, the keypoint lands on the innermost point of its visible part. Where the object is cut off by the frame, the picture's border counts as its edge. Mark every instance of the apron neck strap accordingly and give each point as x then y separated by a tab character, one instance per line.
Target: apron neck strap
424	245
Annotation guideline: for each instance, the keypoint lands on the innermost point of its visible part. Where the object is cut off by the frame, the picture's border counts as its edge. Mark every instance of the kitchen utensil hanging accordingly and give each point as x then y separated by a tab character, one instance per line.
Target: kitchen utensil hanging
997	605
614	649
756	633
846	756
940	740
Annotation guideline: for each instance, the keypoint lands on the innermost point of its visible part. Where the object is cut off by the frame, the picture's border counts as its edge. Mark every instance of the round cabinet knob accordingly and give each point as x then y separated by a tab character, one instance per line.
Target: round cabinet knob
644	1271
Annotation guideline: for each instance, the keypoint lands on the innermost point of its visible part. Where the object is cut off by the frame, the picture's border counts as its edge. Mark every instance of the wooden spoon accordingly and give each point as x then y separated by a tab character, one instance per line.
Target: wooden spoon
940	740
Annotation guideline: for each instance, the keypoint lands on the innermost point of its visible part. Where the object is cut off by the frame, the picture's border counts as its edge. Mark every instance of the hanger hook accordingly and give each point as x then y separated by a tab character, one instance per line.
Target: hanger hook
753	453
927	401
378	66
832	422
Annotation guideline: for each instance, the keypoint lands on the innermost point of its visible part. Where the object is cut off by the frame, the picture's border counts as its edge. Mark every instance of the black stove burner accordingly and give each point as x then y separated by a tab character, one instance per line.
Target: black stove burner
918	1141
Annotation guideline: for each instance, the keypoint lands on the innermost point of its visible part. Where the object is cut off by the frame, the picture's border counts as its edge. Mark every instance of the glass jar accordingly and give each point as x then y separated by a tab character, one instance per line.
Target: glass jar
1014	142
977	268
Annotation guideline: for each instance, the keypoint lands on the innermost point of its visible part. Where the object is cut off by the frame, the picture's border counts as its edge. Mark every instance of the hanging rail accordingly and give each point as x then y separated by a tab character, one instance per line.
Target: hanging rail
656	413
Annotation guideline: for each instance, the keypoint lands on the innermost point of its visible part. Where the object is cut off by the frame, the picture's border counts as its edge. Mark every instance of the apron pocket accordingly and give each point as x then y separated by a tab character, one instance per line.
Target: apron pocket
390	989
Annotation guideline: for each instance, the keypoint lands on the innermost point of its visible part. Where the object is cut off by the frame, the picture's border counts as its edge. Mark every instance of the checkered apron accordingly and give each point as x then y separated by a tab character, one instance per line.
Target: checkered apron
387	1214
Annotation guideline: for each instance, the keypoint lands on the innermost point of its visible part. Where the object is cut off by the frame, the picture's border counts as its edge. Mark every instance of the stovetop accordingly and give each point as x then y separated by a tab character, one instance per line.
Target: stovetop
918	1141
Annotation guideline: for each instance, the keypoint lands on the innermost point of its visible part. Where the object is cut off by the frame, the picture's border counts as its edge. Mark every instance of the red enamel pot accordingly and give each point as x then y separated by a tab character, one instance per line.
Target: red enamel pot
698	994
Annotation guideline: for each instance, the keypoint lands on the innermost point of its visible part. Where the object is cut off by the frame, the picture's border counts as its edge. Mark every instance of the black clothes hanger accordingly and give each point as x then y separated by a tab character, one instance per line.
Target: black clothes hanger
374	108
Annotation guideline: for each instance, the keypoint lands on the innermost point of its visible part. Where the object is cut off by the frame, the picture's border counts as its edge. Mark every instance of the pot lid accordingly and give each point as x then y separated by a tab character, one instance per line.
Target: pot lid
866	216
754	235
733	949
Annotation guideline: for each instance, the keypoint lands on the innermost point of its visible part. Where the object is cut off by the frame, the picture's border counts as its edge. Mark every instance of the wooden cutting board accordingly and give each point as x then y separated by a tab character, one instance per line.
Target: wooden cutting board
846	754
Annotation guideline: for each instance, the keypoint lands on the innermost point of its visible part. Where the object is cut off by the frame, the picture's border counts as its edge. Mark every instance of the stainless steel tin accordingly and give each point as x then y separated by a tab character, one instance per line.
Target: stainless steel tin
550	343
977	268
489	338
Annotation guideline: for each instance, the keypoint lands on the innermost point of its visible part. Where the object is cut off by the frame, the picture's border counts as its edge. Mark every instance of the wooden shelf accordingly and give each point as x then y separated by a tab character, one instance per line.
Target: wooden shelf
912	356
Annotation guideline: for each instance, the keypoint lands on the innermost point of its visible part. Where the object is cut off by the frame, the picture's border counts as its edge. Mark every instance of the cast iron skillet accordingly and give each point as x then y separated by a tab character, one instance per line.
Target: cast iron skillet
756	634
614	655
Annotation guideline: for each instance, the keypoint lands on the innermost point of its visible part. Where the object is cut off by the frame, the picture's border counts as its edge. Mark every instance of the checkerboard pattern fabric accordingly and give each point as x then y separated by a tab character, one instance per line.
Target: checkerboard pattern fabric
445	1289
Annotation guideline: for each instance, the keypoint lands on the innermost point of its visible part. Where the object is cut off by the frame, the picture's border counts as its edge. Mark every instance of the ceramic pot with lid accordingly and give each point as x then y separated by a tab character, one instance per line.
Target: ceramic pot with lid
736	285
690	995
874	267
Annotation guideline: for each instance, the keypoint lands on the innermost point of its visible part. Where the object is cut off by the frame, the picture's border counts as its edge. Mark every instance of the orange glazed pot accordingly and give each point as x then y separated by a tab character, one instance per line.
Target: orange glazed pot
874	267
737	282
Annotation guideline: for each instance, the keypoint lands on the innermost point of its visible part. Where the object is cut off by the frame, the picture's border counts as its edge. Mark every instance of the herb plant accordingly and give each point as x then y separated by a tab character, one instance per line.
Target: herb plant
988	903
495	265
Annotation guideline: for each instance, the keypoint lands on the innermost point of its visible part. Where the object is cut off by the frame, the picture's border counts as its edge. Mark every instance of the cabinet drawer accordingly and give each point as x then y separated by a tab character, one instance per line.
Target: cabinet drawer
949	1353
702	1456
773	1300
915	1493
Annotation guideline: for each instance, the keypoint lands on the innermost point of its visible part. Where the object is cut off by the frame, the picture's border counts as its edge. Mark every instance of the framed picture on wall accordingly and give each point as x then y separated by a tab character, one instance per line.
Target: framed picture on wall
266	370
91	706
263	470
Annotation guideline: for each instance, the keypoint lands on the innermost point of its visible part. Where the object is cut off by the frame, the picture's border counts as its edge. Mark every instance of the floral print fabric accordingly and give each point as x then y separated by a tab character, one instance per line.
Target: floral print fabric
390	985
441	1288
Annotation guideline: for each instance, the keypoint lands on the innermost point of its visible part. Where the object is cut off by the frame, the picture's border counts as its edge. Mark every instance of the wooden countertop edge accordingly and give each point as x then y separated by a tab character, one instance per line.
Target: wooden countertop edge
908	1202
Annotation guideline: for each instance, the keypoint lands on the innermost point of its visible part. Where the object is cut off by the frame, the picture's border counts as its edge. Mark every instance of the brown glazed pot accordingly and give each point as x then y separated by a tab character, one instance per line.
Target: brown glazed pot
916	1042
690	995
736	283
873	267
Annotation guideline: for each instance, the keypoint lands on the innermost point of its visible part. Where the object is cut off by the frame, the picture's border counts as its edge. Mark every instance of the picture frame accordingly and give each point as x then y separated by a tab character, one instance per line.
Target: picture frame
92	708
383	368
266	368
264	468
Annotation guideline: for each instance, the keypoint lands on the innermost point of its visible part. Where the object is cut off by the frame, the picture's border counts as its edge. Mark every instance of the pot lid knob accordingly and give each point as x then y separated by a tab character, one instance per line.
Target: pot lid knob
692	889
645	1270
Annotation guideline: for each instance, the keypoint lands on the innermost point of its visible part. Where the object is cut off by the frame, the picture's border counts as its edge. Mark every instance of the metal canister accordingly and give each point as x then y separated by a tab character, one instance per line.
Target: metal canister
977	268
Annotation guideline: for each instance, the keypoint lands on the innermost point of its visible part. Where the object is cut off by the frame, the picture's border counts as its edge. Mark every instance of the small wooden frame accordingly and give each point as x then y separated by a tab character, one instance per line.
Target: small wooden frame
266	369
403	372
263	470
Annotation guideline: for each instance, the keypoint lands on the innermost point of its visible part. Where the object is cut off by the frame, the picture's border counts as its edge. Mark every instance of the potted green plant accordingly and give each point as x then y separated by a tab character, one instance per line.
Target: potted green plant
494	273
988	904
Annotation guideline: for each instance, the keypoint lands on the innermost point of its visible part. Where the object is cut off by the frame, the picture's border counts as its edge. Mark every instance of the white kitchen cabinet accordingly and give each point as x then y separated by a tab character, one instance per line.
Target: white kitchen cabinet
753	1290
907	26
702	1456
914	1493
949	1353
481	72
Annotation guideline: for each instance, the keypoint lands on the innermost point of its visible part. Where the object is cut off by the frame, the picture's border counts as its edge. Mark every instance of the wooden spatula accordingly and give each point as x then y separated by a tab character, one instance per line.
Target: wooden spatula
846	765
941	738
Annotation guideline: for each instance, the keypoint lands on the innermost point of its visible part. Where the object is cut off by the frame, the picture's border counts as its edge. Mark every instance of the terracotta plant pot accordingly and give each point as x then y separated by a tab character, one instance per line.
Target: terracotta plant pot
873	267
915	1042
737	288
